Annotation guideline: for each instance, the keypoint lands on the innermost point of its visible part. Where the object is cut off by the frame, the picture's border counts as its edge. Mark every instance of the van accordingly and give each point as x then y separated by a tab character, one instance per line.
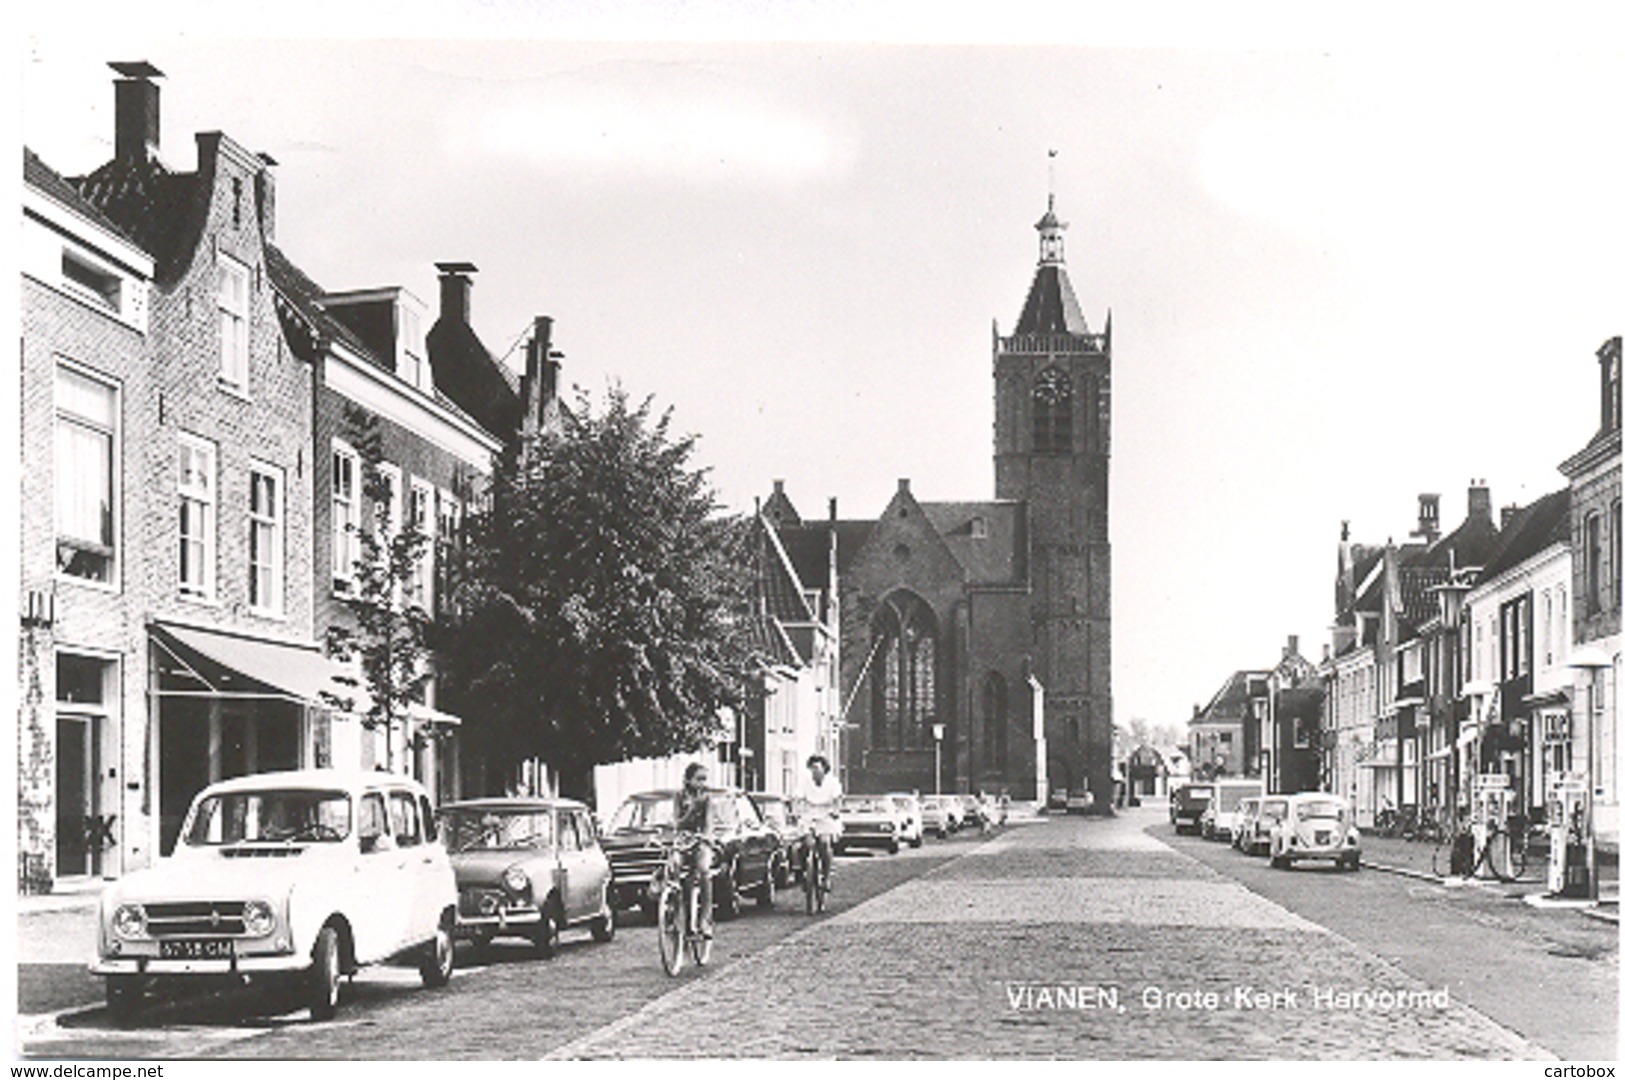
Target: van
1219	820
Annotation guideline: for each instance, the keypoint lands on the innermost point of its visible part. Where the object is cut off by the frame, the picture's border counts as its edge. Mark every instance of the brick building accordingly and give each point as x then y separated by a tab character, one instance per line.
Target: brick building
988	620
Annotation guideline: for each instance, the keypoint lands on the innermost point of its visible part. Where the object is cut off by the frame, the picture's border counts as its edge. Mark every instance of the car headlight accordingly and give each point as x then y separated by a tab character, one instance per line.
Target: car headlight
130	921
258	918
516	879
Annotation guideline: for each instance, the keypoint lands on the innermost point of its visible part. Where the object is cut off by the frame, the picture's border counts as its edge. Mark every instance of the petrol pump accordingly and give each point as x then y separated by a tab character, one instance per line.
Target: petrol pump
1567	807
1492	805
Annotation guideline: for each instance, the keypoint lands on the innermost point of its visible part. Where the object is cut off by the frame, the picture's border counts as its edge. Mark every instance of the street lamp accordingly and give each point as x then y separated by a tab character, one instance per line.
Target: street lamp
936	733
1592	660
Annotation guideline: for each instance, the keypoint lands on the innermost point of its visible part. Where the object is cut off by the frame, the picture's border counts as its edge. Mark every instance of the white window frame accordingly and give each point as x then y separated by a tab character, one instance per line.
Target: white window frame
422	588
115	467
274	525
234	323
392	474
346	527
209	499
412	359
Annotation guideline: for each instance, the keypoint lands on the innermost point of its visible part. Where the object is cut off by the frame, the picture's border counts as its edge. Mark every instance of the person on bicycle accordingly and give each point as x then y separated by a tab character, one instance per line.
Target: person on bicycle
693	817
819	804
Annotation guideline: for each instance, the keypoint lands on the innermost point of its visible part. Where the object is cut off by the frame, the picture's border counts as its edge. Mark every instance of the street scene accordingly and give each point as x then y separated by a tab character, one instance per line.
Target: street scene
1066	937
917	553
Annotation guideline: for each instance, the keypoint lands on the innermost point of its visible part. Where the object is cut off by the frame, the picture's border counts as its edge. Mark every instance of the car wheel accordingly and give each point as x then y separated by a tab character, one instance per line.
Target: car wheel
781	873
917	841
435	965
323	988
1354	863
650	911
603	927
726	898
123	996
545	935
1280	862
893	849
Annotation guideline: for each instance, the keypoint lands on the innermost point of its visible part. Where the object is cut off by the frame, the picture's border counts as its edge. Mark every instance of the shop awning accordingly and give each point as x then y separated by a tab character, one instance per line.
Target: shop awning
217	663
425	715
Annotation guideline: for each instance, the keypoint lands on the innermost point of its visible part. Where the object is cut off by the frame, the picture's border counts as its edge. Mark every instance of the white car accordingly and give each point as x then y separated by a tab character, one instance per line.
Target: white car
304	875
908	806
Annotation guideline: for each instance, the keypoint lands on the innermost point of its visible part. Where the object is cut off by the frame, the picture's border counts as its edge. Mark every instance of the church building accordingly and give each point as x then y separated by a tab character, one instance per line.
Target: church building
975	649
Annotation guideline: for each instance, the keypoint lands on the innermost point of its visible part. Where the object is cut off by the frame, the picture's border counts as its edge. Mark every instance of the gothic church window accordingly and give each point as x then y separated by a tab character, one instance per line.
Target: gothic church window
1052	412
905	691
995	720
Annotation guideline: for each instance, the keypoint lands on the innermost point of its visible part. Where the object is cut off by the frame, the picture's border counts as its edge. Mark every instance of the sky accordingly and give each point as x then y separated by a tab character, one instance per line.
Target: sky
1345	263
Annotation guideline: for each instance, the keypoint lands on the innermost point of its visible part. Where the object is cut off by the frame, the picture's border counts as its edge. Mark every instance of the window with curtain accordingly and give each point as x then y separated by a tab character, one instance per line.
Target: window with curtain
85	482
265	539
905	689
233	323
346	515
197	514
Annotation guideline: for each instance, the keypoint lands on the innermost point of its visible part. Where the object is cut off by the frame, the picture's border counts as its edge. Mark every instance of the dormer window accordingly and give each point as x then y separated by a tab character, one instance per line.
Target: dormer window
978	527
412	363
86	277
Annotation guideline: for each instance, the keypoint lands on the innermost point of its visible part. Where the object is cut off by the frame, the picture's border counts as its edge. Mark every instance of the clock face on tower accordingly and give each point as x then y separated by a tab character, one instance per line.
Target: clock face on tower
1052	386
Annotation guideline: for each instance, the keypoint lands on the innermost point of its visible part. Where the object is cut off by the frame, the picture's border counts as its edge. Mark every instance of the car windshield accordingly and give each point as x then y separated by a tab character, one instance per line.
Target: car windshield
866	804
773	812
276	816
1230	798
484	829
1320	808
644	814
1198	793
1274	811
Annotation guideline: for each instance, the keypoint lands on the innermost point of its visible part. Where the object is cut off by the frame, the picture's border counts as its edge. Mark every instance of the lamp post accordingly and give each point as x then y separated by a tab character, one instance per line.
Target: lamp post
1593	661
936	733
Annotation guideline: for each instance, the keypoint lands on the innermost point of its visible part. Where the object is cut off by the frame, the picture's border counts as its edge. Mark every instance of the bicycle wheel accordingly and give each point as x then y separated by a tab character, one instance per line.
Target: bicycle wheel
823	881
811	873
1517	860
700	946
1441	856
670	929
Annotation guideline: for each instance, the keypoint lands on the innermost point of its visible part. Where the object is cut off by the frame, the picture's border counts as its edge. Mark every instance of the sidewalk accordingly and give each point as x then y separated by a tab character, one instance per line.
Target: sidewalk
1414	858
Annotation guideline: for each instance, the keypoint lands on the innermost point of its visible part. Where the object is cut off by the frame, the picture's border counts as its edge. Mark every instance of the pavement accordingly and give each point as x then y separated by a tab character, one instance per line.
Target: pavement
1415	859
1068	937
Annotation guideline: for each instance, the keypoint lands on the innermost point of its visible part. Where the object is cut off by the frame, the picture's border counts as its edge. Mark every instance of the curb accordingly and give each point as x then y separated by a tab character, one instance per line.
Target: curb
1600	914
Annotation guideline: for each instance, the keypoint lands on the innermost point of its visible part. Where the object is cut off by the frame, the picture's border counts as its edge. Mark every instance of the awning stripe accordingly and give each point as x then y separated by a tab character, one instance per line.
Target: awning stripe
297	672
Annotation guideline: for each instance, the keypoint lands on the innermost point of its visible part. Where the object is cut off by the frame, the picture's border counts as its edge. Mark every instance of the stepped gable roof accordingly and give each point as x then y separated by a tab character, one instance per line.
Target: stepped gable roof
1532	530
1052	307
162	211
996	556
47	181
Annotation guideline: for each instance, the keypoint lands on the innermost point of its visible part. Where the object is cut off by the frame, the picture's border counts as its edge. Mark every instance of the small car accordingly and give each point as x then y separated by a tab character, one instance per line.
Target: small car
779	814
1316	825
303	876
941	813
527	868
641	831
1079	801
869	821
1254	839
908	805
970	810
1187	805
1246	814
1057	799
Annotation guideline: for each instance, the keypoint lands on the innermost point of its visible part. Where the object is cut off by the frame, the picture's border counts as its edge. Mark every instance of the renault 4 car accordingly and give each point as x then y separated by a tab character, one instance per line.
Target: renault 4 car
302	876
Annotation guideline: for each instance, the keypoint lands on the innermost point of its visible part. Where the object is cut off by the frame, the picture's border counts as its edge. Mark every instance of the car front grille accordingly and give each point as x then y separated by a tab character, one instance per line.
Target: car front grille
635	864
201	918
477	902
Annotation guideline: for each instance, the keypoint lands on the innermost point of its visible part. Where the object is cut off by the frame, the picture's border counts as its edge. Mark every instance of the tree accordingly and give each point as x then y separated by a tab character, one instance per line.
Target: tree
597	612
388	643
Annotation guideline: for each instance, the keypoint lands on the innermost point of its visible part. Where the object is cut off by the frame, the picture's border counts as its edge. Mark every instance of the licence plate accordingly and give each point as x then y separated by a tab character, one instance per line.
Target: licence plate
206	949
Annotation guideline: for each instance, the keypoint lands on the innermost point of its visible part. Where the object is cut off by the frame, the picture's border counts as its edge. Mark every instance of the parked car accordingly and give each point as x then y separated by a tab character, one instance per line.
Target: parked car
908	805
1255	836
944	811
527	868
1079	801
641	831
1057	799
869	821
1186	806
1218	820
970	810
305	875
1316	826
1246	814
779	815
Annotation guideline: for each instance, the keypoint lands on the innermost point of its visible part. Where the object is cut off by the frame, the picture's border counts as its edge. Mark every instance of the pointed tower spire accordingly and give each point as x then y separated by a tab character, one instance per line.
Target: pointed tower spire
1051	251
1051	305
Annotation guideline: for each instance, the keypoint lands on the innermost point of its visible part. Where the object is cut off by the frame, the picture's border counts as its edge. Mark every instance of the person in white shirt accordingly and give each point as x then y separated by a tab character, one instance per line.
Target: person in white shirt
819	804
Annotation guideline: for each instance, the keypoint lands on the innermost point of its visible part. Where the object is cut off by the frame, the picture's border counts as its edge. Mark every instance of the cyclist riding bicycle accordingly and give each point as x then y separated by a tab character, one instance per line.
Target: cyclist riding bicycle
693	817
819	803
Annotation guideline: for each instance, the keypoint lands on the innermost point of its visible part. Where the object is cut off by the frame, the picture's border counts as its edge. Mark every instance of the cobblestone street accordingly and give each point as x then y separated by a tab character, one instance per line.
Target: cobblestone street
1066	938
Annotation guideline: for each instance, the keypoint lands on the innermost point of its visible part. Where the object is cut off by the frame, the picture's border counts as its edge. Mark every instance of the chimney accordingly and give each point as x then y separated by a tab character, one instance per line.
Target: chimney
1478	500
1325	651
1291	648
1508	512
832	518
902	484
135	110
455	285
1427	517
778	487
265	196
539	388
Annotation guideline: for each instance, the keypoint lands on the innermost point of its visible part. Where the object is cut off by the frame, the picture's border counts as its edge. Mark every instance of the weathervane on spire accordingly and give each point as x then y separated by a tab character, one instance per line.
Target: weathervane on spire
1049	226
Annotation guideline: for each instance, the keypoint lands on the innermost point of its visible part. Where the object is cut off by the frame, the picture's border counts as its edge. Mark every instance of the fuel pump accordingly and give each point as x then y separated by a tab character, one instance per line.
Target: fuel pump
1492	804
1566	813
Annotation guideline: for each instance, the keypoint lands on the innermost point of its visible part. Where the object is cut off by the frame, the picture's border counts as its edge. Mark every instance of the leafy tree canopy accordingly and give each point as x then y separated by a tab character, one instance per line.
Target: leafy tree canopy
597	615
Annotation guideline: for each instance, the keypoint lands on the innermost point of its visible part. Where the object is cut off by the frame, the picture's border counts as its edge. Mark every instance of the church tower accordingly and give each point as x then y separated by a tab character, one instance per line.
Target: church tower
1051	450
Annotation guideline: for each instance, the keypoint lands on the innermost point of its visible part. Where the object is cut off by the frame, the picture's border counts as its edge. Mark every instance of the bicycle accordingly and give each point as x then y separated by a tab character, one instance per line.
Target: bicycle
815	873
679	920
1453	857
